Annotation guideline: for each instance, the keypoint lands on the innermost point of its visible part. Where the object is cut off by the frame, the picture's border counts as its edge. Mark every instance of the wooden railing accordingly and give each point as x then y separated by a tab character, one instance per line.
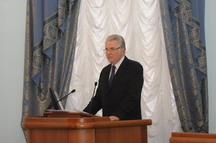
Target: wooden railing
182	137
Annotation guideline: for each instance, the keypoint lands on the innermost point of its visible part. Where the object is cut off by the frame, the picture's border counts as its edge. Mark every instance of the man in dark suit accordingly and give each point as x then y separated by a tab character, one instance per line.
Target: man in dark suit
119	90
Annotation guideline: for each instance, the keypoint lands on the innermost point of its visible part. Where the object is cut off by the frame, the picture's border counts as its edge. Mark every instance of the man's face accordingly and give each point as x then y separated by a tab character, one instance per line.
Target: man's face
113	52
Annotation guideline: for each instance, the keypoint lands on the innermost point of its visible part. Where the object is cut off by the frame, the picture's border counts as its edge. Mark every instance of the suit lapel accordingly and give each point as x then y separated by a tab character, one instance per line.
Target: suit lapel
107	76
119	72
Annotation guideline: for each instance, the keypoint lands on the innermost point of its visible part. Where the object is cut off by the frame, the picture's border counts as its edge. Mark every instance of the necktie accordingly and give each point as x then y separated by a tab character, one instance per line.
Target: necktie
112	74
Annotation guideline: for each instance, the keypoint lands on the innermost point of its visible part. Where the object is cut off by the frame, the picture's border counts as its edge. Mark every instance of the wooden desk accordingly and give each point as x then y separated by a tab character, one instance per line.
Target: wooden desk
81	128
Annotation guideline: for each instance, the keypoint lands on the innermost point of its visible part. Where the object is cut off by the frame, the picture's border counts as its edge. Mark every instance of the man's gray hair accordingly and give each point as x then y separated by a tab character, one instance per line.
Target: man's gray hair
118	38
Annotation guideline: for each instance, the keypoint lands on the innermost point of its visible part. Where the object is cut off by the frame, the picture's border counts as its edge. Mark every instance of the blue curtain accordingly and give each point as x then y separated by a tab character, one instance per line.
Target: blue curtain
183	24
51	28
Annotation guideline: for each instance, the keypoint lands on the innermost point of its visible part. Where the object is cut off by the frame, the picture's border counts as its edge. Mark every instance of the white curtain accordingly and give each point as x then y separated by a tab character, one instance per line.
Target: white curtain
139	22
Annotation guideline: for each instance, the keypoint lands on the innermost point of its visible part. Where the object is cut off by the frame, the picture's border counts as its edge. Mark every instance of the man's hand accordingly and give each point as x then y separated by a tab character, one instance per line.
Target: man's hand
113	118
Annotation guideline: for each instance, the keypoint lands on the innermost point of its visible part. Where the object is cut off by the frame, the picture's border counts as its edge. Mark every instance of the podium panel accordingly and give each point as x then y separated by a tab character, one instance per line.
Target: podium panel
70	127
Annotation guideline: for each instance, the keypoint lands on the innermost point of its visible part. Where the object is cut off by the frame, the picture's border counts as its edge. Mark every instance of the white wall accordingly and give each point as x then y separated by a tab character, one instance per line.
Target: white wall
210	23
12	36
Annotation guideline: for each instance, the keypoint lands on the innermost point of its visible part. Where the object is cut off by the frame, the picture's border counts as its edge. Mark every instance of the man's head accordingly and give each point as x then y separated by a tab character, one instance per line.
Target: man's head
115	48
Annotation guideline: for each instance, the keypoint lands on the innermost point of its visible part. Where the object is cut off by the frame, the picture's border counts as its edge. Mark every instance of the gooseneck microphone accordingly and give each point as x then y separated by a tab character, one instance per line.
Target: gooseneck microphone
55	101
95	84
90	106
72	91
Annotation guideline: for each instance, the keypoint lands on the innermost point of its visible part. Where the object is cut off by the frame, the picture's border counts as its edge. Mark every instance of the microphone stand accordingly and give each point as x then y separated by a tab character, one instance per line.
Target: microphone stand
90	106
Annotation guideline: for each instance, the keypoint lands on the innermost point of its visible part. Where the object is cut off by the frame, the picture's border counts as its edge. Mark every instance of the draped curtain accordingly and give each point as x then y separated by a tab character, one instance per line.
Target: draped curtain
183	24
49	51
139	22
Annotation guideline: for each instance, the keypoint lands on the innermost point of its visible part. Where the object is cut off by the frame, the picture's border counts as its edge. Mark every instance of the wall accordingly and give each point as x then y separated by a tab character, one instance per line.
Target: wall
210	23
12	37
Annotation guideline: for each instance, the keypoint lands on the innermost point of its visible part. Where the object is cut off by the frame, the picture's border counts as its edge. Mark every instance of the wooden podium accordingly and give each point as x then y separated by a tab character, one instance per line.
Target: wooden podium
76	127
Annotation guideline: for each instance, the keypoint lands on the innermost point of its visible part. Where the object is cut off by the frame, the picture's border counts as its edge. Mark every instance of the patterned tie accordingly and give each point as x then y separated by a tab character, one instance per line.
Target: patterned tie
112	74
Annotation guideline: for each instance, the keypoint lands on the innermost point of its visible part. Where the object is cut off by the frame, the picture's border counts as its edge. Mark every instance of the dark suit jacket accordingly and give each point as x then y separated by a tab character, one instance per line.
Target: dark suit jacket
122	97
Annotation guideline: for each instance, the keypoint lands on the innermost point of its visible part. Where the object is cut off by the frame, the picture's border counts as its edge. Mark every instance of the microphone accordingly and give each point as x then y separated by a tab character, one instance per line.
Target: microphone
72	91
55	101
90	106
95	84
